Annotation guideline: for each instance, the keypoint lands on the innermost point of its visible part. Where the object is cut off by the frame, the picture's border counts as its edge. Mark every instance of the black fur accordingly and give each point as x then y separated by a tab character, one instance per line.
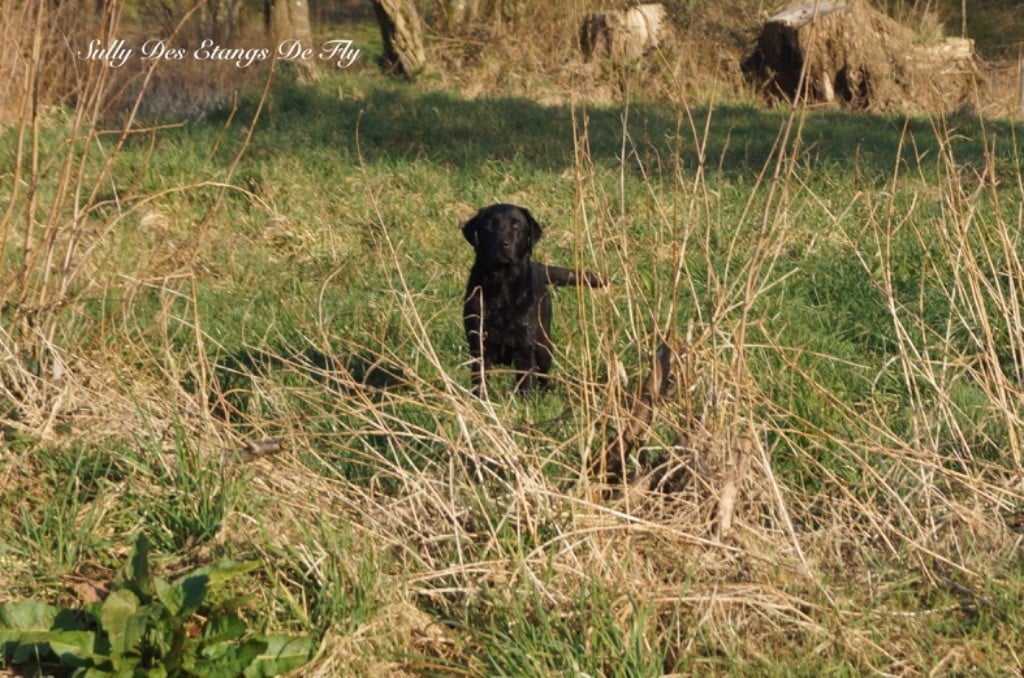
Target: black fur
507	314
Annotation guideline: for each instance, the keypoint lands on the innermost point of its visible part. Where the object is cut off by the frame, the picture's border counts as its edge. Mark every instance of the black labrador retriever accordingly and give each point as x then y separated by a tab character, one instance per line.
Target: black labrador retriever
507	314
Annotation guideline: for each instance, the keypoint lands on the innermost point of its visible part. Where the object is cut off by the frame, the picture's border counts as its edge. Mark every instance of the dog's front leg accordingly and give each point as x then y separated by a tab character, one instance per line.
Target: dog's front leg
526	372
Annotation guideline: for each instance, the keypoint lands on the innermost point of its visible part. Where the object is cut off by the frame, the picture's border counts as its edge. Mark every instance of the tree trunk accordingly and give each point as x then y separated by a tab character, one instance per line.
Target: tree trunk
222	18
289	20
401	30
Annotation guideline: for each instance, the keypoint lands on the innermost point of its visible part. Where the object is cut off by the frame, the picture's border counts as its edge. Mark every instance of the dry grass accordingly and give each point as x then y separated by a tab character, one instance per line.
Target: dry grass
35	62
419	529
535	53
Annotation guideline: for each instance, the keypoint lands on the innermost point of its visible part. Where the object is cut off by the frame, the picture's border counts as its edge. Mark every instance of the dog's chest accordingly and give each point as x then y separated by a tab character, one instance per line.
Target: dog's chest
511	311
507	308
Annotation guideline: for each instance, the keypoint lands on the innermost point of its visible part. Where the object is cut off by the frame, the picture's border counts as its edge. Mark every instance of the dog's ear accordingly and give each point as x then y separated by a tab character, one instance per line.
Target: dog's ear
471	228
535	229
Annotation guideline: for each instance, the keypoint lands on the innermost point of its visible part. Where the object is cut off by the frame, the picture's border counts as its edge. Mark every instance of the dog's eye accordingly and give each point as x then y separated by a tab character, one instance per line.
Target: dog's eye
515	225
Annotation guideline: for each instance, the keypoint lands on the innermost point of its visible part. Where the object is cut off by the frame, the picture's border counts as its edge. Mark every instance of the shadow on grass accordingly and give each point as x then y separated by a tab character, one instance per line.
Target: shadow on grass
395	122
340	375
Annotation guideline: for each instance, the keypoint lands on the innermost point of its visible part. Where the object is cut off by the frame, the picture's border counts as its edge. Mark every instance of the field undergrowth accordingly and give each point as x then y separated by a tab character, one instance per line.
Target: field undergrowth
844	292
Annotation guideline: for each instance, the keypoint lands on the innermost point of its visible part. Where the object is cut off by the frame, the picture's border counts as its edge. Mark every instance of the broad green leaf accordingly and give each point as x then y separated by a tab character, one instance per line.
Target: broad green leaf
187	593
126	672
222	628
28	615
155	672
74	648
218	573
216	651
283	654
74	620
29	645
169	596
135	575
237	602
232	660
121	621
92	672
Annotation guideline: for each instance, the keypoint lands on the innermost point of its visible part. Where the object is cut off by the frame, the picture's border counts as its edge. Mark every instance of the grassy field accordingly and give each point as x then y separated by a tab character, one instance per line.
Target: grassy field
846	290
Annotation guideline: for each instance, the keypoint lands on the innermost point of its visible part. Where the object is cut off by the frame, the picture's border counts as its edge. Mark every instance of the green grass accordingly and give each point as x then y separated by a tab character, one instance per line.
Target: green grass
856	268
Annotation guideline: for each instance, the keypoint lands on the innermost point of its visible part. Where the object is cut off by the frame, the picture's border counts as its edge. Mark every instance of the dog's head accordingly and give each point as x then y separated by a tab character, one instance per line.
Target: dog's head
502	234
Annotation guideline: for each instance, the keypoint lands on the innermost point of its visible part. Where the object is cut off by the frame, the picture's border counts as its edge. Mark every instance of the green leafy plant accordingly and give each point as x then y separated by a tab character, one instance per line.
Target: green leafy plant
148	626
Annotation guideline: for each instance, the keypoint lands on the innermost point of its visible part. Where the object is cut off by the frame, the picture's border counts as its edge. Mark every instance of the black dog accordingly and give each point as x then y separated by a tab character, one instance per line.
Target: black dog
507	314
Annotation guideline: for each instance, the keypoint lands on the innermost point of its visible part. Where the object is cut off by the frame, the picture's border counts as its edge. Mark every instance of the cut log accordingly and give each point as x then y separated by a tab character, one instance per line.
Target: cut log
623	35
849	54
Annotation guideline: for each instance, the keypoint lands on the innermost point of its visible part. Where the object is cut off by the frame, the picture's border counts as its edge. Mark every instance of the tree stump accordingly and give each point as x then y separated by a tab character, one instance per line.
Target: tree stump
623	35
847	53
401	30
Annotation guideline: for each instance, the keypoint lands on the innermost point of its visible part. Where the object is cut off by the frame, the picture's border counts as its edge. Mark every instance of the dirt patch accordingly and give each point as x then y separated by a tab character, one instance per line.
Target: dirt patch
849	54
